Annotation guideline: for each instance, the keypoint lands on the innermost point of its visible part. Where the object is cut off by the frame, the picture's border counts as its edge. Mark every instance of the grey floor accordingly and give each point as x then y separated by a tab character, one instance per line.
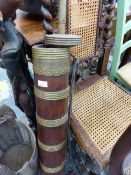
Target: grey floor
6	96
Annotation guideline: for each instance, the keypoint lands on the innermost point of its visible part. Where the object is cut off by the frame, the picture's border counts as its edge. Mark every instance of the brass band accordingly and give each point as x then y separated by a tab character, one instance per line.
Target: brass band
53	148
50	57
52	95
49	53
51	67
52	123
52	170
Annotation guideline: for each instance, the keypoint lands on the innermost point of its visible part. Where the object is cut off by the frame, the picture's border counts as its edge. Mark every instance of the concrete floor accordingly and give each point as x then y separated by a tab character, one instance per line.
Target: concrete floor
6	95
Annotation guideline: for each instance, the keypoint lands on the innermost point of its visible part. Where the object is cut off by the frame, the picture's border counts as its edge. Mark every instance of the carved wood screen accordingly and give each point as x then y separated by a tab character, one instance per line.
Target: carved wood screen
82	20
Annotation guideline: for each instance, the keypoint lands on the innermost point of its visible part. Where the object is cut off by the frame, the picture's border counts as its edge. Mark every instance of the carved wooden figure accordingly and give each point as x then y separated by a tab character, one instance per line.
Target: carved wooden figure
46	8
13	55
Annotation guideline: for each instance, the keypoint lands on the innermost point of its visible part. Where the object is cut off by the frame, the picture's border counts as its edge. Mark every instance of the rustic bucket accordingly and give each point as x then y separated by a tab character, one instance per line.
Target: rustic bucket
18	150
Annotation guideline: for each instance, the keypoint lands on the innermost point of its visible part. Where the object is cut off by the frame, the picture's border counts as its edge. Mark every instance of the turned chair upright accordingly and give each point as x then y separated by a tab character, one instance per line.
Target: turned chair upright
123	74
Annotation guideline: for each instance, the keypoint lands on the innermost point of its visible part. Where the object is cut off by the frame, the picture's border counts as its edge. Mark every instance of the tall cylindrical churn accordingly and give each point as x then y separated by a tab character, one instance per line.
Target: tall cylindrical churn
51	67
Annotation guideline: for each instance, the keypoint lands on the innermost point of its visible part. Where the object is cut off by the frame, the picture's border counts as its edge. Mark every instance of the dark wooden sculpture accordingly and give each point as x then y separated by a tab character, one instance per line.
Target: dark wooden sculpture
1	62
46	8
14	51
8	7
13	55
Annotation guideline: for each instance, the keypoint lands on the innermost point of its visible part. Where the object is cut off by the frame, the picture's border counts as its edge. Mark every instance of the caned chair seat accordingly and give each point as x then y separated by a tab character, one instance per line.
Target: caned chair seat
124	74
101	113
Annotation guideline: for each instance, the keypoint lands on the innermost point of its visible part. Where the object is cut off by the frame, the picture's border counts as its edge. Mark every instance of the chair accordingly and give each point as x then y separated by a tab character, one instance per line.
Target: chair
102	112
124	73
93	21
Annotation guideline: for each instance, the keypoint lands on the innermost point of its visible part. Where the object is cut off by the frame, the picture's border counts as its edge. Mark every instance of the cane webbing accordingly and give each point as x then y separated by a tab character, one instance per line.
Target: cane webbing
82	20
103	112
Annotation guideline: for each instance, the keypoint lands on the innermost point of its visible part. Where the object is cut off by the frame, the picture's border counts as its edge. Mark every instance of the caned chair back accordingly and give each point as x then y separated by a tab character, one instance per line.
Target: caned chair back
82	19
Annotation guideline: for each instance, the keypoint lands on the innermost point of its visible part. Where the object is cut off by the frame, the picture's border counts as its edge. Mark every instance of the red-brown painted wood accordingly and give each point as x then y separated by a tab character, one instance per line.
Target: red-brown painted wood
52	110
52	136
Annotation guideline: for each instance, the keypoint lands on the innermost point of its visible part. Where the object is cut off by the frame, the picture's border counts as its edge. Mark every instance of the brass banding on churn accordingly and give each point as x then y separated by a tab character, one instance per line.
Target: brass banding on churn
52	123
51	61
49	51
40	54
51	67
53	148
51	95
51	56
52	170
56	72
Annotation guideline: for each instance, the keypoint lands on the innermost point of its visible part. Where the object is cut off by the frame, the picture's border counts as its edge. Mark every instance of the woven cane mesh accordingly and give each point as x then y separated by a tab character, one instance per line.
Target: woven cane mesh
104	112
82	20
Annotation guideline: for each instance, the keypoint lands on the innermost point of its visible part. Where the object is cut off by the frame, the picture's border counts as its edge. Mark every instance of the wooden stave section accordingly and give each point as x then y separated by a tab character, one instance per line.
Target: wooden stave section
51	136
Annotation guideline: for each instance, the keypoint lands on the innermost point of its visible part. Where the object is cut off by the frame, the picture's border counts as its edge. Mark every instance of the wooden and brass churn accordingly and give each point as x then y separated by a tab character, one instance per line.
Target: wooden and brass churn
51	67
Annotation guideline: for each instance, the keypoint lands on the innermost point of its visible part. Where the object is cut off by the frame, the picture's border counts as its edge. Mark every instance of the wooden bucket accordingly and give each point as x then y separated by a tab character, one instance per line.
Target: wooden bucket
18	150
51	67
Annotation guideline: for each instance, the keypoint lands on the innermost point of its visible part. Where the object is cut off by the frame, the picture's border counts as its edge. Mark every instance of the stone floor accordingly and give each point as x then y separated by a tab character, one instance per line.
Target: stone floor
6	96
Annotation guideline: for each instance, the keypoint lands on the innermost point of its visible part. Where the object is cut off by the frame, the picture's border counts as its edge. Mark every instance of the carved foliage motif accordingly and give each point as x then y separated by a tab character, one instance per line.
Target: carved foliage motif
105	25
